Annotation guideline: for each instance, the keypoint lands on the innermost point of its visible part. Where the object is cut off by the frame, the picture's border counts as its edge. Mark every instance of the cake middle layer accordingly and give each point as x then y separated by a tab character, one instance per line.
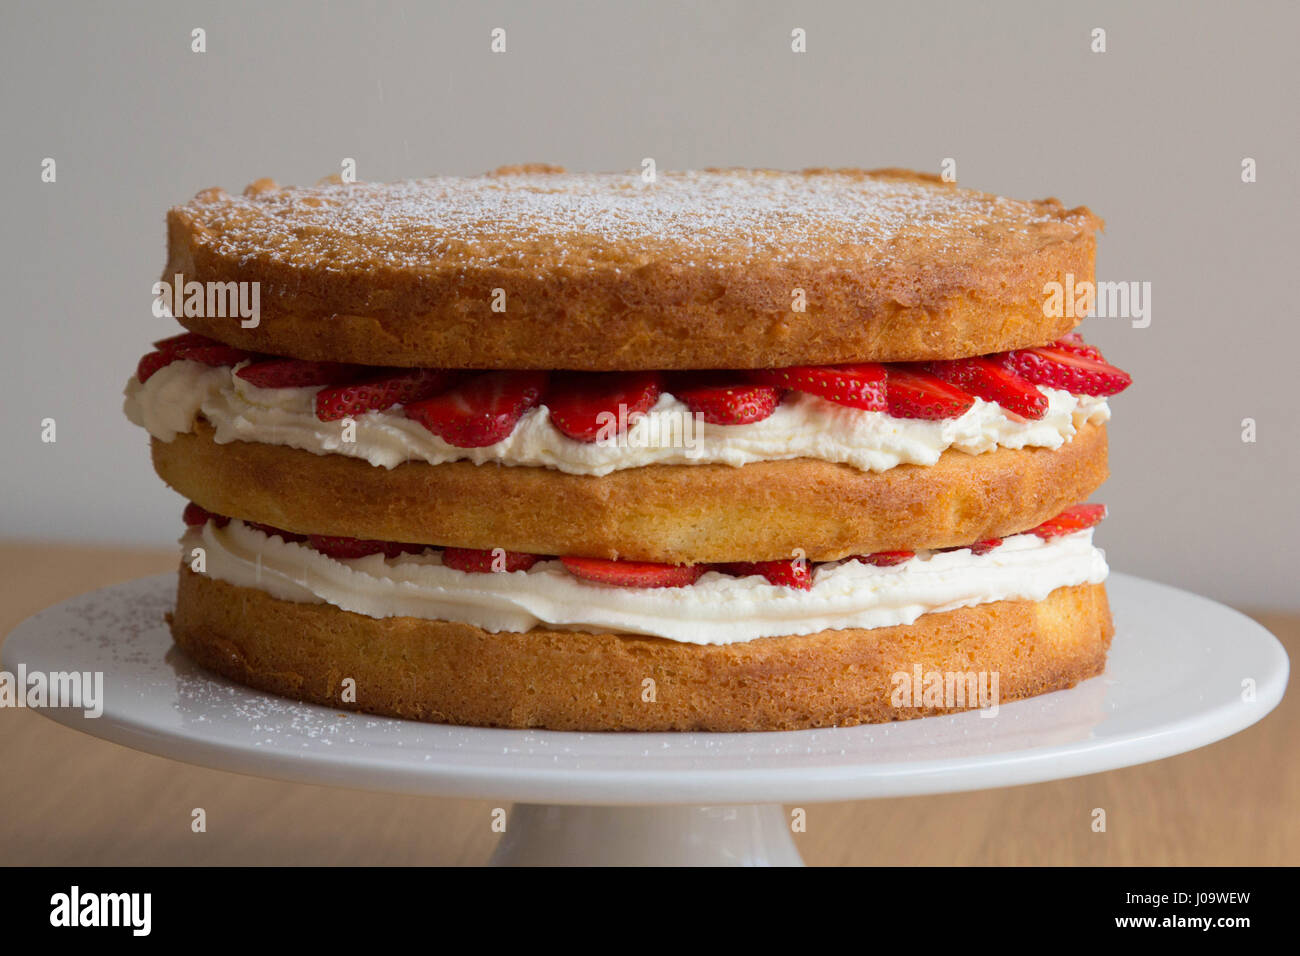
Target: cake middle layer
677	514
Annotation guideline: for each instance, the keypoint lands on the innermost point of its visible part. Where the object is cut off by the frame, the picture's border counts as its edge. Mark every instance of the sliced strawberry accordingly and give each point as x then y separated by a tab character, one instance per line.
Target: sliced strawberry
582	403
196	517
481	562
858	386
190	346
914	393
730	403
297	373
1070	520
338	546
393	548
1073	371
343	547
633	574
481	411
212	354
376	393
886	559
200	348
789	573
174	343
150	363
1073	342
978	548
992	382
289	536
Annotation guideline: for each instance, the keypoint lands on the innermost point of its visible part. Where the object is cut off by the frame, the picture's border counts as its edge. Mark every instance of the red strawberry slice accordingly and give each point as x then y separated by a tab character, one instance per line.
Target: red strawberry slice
289	536
990	381
184	340
200	348
914	393
1073	371
212	354
338	546
886	559
633	574
858	386
396	387
191	346
297	373
789	573
1073	342
481	411
734	403
393	548
196	517
1070	520
985	546
150	363
343	547
481	562
585	405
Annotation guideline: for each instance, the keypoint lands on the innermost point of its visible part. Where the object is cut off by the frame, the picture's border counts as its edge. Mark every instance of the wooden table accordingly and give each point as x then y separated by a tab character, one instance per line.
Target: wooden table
67	798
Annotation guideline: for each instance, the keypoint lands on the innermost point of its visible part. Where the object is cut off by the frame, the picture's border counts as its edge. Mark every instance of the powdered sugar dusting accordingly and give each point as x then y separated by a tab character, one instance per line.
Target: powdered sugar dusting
574	222
157	700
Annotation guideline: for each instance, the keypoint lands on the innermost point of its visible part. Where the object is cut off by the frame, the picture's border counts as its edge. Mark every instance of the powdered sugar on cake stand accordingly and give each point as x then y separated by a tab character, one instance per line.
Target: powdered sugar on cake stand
1174	682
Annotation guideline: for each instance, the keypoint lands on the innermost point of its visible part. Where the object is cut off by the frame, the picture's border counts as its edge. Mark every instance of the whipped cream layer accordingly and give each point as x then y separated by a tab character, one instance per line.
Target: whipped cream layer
803	426
717	609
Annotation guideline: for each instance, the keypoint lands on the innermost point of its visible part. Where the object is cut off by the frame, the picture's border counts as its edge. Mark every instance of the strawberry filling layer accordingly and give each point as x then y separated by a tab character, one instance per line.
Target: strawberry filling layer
716	604
870	416
794	573
472	409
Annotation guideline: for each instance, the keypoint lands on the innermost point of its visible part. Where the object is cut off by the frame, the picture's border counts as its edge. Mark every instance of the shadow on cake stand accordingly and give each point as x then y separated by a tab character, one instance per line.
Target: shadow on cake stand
1183	672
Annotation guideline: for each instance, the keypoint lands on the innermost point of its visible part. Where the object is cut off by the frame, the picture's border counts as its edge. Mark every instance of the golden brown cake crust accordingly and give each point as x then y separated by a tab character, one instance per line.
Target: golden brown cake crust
604	271
681	514
455	673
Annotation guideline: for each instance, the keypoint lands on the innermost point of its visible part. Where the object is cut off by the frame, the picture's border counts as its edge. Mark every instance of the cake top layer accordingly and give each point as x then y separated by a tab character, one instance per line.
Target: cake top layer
748	267
549	220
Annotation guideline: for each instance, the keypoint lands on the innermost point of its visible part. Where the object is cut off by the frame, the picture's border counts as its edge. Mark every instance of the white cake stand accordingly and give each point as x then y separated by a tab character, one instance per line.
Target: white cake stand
1183	672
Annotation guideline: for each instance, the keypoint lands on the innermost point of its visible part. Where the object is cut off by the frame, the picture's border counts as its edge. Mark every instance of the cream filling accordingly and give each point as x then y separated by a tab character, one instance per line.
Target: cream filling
717	609
803	426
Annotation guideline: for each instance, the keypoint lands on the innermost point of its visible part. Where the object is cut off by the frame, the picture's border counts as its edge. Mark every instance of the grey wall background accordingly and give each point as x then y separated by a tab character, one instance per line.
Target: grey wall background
1150	134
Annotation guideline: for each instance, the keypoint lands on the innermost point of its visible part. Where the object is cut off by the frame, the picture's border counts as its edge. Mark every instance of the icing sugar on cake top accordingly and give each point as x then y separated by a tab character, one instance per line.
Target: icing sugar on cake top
889	219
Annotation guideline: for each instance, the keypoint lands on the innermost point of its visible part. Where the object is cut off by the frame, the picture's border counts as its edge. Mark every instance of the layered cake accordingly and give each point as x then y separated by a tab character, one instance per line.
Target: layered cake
725	450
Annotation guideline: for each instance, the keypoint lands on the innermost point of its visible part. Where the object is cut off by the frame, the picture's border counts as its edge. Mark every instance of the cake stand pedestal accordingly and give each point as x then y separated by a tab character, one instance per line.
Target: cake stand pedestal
551	835
1183	672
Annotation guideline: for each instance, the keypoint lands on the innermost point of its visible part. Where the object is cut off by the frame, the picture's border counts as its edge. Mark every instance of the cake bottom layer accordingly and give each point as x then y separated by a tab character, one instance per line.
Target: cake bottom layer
446	672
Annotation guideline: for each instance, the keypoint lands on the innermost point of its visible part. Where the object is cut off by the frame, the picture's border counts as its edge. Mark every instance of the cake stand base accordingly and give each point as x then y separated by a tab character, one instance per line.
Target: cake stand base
549	835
